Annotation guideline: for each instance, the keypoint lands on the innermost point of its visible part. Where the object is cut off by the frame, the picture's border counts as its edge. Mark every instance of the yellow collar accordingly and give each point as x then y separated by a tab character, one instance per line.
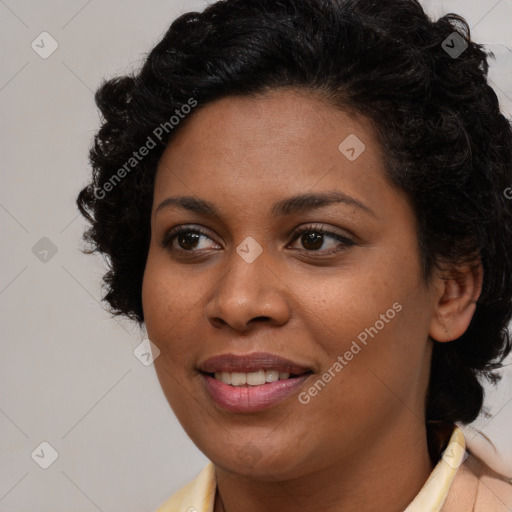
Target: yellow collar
435	490
199	495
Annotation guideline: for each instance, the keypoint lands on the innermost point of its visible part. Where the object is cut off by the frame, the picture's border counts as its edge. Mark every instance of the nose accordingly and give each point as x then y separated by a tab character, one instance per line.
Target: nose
247	294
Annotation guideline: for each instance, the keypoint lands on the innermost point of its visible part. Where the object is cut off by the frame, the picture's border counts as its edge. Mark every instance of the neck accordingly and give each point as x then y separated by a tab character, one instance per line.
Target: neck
385	477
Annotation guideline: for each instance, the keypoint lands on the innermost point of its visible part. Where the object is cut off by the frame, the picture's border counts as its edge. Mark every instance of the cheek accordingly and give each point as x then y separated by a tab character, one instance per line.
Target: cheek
385	363
377	320
344	303
169	304
168	309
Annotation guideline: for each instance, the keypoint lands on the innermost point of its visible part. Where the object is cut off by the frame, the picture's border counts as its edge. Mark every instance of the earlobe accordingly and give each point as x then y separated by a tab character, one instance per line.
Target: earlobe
456	300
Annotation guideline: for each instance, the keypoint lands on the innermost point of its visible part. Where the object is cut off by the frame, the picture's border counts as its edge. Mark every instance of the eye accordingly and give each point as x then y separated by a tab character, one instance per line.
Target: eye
313	238
187	239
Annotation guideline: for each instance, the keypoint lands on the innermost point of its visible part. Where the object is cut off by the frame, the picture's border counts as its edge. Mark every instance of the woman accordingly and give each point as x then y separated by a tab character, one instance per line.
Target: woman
304	202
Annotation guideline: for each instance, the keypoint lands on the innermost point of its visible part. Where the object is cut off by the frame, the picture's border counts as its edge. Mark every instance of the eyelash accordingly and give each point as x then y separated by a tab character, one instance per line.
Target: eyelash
316	228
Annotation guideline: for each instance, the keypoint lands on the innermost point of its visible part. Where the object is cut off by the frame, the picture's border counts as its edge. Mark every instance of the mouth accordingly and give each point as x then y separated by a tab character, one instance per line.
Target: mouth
254	369
251	382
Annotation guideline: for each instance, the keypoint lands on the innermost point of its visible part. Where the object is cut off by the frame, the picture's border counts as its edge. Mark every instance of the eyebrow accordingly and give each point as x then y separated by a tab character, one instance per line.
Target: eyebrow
294	204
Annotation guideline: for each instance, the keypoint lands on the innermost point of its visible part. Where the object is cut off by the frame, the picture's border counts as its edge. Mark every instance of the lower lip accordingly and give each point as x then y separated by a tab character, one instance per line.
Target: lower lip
252	398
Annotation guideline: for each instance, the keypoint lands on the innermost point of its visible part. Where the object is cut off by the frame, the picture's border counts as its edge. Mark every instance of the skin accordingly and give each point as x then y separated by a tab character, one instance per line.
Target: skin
359	444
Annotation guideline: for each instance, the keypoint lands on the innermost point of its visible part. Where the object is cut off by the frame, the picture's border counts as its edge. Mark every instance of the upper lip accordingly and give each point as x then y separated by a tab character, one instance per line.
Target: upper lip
246	363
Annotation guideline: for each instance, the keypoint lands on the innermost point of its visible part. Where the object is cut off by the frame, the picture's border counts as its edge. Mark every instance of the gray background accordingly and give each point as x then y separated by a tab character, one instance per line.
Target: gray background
68	374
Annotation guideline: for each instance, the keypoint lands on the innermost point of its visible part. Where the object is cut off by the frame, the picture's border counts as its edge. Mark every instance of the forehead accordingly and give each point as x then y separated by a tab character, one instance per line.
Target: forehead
251	150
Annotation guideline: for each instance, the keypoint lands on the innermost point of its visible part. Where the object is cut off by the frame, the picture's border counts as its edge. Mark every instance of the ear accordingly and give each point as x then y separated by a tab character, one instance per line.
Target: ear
456	295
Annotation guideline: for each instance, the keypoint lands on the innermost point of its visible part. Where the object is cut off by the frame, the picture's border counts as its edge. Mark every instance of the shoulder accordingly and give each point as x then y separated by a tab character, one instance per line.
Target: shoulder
477	488
494	492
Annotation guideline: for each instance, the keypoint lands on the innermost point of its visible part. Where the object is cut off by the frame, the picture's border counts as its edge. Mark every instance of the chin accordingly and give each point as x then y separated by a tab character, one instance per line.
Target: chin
256	461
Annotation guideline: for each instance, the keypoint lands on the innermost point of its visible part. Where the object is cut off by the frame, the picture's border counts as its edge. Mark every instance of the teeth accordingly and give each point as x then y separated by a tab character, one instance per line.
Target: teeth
256	378
271	375
238	379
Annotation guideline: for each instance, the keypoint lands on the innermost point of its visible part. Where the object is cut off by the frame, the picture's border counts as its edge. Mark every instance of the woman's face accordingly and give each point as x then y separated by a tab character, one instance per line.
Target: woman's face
350	314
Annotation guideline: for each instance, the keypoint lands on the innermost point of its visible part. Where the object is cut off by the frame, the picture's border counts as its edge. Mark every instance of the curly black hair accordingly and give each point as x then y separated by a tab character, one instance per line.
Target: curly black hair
423	84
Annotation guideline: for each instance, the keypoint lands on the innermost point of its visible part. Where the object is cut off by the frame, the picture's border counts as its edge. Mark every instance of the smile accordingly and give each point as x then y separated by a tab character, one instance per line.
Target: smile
251	382
256	378
247	398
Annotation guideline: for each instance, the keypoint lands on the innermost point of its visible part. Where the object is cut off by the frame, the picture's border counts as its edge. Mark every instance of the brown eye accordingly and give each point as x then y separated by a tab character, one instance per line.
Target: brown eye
188	239
313	238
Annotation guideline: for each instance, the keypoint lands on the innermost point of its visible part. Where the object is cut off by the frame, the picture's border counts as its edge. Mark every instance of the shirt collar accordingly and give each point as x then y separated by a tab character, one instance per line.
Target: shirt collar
435	490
